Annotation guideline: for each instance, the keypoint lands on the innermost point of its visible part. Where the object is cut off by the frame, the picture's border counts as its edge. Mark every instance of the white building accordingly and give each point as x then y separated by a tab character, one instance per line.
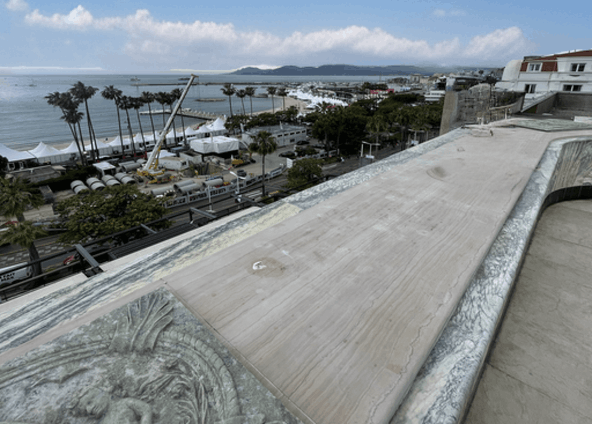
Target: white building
539	75
283	134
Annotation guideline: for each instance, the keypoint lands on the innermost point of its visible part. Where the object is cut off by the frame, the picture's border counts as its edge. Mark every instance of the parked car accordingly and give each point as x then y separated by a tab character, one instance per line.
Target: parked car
11	274
288	154
241	173
302	142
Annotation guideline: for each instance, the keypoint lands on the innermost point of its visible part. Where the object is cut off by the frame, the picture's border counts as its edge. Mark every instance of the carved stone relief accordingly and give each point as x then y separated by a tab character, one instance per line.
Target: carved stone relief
149	362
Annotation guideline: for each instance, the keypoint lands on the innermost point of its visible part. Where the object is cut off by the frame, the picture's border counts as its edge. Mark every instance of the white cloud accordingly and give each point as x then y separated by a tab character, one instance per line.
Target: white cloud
17	5
501	42
162	42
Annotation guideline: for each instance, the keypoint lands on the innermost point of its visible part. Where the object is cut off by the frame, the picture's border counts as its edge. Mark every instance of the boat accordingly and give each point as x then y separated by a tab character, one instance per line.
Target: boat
135	79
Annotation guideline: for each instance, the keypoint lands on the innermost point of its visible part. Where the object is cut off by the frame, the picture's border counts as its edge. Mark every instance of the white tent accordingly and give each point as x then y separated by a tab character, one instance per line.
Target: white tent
45	153
104	149
116	145
218	144
218	125
14	155
190	132
71	151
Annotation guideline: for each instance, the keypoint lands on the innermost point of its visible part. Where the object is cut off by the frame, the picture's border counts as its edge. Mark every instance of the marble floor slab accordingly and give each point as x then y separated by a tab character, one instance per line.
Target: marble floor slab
339	306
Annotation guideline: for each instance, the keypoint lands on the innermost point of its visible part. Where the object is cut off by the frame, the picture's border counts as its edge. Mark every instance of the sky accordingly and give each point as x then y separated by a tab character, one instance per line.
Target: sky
128	37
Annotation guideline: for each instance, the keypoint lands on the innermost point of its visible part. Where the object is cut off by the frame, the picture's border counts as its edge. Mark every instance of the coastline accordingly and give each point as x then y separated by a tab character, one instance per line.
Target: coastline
290	101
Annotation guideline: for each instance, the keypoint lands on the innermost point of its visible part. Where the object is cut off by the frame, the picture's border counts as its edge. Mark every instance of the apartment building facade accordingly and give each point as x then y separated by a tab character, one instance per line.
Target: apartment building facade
539	75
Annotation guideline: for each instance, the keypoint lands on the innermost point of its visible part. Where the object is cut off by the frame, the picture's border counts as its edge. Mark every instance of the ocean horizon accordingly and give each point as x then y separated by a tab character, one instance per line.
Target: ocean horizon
27	118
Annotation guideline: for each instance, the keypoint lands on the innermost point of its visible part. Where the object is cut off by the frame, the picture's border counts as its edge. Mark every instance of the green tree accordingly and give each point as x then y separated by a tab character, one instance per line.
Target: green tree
162	98
241	94
229	90
304	172
102	213
147	98
137	103
24	234
82	93
55	99
126	103
3	166
264	144
16	196
73	117
112	93
271	91
177	93
250	91
283	94
376	125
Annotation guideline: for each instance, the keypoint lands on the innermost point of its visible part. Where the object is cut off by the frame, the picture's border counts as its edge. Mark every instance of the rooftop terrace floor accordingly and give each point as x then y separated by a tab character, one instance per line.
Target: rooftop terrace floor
539	370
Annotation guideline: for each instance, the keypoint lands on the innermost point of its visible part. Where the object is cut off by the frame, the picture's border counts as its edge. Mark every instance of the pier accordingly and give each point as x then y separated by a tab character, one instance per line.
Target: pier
187	113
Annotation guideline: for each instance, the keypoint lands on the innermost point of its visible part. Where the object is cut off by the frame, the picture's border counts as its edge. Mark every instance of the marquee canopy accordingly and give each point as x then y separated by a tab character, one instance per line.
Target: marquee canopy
14	155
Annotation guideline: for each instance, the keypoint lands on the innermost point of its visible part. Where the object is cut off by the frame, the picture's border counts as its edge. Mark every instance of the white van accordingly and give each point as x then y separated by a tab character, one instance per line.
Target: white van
11	274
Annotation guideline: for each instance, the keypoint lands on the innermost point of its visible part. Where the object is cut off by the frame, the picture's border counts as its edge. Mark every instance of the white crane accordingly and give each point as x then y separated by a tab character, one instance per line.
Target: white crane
150	168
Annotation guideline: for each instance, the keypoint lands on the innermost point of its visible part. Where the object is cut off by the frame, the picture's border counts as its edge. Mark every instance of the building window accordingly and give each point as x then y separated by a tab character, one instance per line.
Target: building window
529	88
572	87
534	67
578	67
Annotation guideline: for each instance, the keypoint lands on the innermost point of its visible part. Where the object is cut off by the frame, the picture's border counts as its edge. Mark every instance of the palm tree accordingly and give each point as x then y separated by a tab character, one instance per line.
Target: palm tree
162	97
112	93
147	97
376	125
250	91
82	93
170	100
271	91
137	103
283	94
68	103
55	99
177	93
264	144
125	103
16	196
229	90
24	234
241	94
73	117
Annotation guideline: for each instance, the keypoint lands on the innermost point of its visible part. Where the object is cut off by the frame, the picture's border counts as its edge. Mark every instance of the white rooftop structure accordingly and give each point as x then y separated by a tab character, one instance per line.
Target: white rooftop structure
218	144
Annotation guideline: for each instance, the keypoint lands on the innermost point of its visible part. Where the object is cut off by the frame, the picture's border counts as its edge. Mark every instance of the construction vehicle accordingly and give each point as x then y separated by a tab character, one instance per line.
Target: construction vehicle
150	169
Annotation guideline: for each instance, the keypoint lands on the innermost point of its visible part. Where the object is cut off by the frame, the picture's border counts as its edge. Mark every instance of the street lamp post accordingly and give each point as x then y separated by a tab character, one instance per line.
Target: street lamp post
238	184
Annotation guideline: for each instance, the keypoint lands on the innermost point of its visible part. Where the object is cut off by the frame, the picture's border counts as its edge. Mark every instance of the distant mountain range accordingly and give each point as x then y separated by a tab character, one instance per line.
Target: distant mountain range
349	70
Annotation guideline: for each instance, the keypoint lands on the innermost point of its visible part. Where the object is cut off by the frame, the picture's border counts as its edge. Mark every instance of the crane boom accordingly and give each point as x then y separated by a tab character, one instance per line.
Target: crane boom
150	166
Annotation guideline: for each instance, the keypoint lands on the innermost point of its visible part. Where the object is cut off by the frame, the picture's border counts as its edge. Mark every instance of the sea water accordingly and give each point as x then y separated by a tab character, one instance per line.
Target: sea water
26	119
